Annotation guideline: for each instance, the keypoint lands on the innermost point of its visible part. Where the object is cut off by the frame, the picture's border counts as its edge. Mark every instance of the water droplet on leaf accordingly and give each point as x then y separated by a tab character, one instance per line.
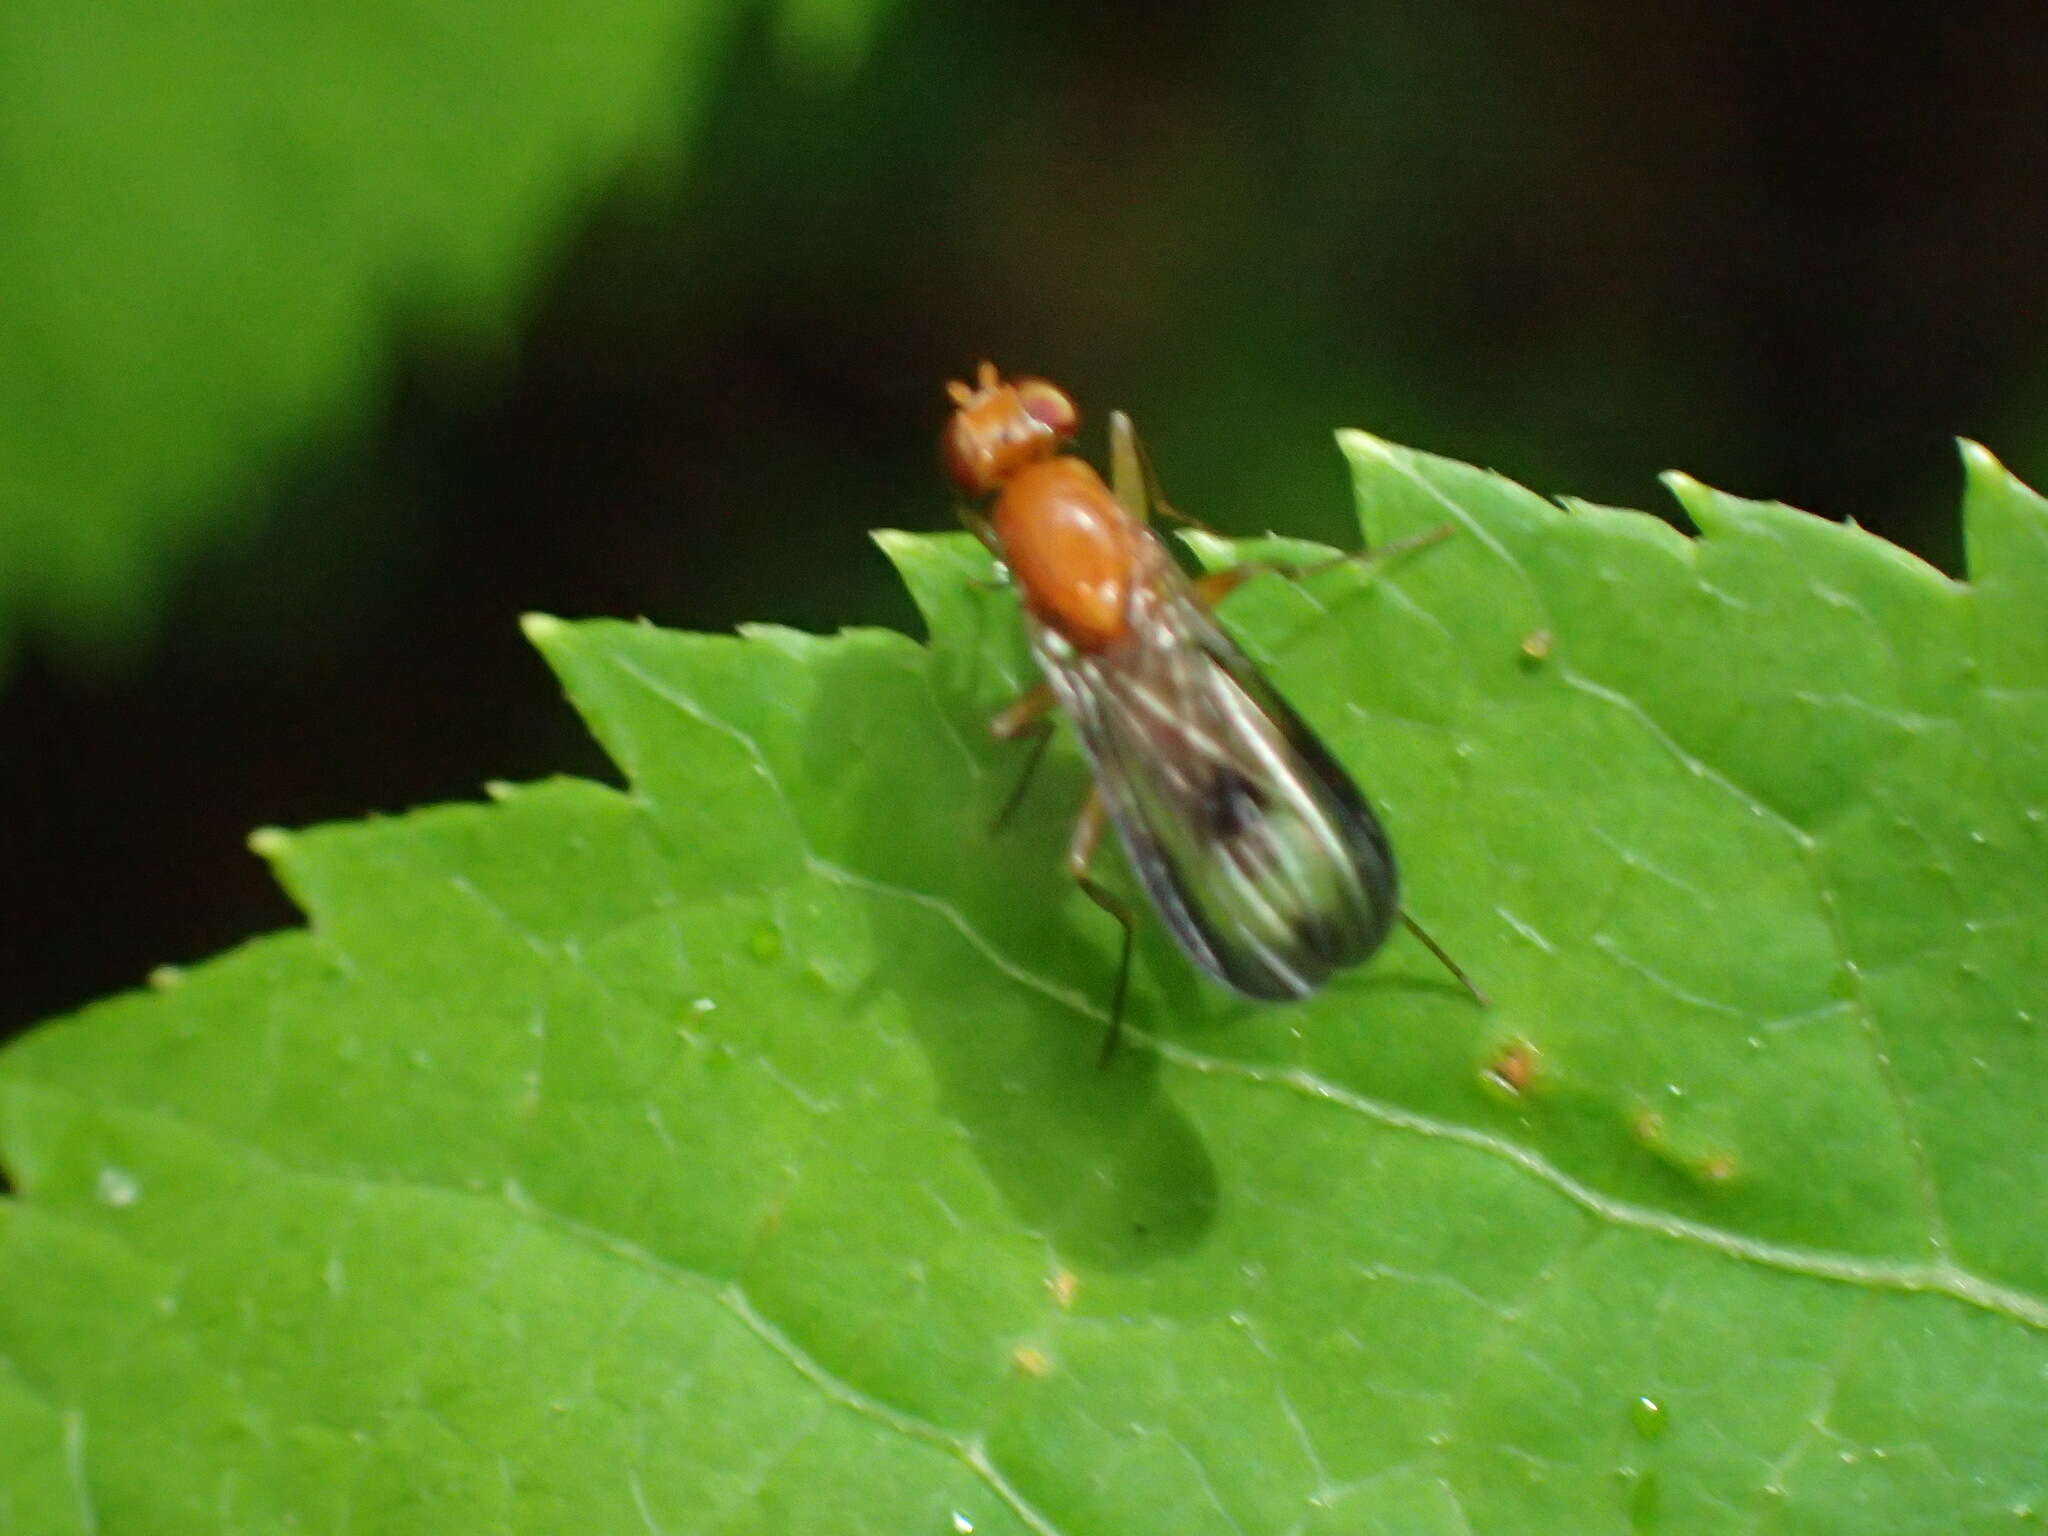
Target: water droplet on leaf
1648	1417
117	1187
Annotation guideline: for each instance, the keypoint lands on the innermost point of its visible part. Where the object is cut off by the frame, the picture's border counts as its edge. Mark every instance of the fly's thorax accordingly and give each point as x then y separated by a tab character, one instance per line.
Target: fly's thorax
1074	552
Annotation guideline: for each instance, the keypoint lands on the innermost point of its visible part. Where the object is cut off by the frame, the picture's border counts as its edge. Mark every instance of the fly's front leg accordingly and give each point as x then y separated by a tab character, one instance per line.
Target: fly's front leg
1080	852
1026	717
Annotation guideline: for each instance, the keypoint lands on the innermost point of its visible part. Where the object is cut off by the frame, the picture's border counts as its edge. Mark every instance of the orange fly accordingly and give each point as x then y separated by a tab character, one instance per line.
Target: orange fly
1260	855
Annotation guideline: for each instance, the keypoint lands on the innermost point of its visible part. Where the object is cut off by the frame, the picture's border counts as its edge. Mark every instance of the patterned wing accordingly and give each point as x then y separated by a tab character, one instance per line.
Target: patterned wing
1258	851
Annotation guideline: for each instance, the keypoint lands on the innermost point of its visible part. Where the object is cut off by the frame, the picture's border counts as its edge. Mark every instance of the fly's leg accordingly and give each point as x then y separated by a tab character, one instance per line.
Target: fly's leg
1449	964
1136	485
1026	717
1041	737
1132	479
1080	852
975	519
1032	706
1213	587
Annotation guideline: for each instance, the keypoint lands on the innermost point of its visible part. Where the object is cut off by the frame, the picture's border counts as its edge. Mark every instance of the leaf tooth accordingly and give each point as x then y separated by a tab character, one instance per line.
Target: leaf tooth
270	843
542	629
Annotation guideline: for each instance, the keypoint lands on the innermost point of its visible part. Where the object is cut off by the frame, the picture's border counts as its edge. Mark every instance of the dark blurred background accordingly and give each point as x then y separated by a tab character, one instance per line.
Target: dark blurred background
1792	249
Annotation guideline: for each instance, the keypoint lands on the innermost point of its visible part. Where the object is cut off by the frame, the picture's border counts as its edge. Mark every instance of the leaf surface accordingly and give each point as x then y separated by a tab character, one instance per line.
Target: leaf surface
726	1153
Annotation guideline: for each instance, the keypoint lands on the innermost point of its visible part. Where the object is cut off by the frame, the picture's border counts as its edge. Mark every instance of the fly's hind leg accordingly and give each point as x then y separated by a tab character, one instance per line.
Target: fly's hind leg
1132	478
1214	586
1080	852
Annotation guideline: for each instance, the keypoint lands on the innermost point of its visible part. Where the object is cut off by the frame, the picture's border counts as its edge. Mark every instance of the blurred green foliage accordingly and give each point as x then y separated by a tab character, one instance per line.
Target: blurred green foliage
332	340
216	219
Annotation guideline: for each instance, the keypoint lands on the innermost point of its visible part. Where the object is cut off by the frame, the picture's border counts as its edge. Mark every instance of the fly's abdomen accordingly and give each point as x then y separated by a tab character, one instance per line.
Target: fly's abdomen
1284	888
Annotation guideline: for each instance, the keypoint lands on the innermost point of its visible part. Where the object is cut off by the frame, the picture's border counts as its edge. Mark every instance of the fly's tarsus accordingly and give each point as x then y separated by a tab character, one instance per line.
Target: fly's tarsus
1448	963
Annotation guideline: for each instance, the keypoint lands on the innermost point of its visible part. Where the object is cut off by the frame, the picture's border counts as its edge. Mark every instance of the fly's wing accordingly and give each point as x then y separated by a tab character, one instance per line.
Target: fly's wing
1260	854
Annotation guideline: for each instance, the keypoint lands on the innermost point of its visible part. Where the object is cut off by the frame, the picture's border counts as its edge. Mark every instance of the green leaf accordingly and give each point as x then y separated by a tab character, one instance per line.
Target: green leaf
727	1154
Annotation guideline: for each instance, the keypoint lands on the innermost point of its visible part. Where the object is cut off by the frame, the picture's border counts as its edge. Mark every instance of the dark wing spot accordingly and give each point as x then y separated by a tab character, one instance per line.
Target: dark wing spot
1230	803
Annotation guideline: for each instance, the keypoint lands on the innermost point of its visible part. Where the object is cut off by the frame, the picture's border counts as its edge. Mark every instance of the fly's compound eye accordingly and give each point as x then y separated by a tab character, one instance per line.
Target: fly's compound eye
1050	406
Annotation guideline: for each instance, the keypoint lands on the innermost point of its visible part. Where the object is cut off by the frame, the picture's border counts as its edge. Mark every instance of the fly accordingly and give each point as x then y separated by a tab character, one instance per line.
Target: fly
1258	852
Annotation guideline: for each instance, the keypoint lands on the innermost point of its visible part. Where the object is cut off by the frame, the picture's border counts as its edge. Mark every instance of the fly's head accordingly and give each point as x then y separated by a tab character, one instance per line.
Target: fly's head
1000	427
